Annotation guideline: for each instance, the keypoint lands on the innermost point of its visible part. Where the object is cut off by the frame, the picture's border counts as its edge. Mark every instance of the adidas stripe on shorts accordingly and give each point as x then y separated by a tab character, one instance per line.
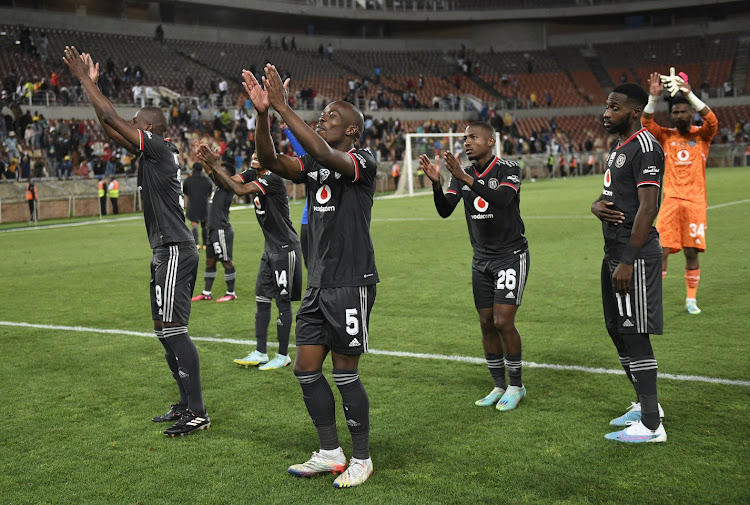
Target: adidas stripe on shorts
222	244
173	271
640	311
280	275
337	318
500	280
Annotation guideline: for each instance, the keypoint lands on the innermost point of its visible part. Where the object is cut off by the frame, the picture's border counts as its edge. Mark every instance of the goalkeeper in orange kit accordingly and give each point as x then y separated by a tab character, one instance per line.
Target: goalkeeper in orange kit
682	218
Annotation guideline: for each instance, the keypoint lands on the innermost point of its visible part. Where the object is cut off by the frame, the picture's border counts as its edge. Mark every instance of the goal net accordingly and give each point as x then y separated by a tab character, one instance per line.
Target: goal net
412	179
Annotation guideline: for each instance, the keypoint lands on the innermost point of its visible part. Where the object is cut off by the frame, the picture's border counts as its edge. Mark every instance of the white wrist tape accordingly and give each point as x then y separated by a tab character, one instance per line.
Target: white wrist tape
695	101
650	107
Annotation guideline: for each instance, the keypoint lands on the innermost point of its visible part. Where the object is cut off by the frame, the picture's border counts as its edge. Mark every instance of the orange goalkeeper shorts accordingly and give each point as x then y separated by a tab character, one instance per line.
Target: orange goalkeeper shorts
682	224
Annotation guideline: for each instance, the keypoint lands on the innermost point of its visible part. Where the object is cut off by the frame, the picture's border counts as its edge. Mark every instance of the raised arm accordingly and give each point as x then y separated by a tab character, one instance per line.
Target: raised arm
444	204
118	129
212	165
314	144
498	198
280	164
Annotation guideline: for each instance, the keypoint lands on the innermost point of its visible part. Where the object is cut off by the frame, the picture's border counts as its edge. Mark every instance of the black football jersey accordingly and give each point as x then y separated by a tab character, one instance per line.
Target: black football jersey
272	211
218	208
639	161
339	210
198	189
160	185
493	232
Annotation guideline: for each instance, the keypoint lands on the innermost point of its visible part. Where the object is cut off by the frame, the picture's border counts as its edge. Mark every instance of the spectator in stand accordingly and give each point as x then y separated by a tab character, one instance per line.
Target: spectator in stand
189	83
65	167
28	136
548	99
24	168
11	145
83	168
37	169
138	95
54	83
127	72
223	89
330	51
159	34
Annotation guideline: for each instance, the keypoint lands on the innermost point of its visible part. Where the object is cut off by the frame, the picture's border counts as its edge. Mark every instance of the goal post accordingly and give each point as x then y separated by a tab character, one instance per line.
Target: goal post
431	144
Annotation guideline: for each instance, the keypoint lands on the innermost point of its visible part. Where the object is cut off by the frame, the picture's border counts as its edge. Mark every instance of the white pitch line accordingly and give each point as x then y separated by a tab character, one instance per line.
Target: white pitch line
718	206
244	207
399	354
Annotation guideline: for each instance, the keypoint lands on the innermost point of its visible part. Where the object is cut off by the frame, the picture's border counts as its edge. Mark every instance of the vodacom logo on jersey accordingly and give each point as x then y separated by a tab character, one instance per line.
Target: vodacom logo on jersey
607	183
481	205
323	195
258	208
683	155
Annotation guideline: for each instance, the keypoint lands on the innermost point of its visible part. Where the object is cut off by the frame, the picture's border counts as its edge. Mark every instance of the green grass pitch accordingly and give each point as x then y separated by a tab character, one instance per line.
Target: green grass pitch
77	404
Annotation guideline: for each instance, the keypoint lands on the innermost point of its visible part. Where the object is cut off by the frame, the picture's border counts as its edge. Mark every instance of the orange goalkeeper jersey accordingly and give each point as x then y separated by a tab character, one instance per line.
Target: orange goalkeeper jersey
685	157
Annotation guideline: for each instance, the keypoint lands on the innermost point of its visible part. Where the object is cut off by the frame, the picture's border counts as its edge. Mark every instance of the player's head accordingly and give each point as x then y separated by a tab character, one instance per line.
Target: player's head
229	167
479	139
151	119
197	168
624	108
681	114
254	163
341	125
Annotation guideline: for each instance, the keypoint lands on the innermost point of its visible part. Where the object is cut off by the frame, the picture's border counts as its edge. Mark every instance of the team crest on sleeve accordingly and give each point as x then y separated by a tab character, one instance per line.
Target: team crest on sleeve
620	161
611	159
493	183
360	159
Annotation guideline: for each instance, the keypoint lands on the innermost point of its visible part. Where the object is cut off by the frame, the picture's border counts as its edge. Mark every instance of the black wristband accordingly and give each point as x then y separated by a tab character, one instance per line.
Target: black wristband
630	254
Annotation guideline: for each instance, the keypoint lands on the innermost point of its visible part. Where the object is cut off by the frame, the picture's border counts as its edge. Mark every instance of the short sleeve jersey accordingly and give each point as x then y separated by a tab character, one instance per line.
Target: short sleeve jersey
161	191
493	232
637	162
218	209
272	211
198	189
339	209
685	158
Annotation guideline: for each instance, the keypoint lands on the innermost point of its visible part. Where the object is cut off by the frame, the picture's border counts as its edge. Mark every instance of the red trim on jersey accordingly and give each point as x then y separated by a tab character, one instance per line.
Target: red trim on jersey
452	192
632	137
243	179
301	165
167	140
494	162
654	183
140	147
263	190
509	185
356	165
